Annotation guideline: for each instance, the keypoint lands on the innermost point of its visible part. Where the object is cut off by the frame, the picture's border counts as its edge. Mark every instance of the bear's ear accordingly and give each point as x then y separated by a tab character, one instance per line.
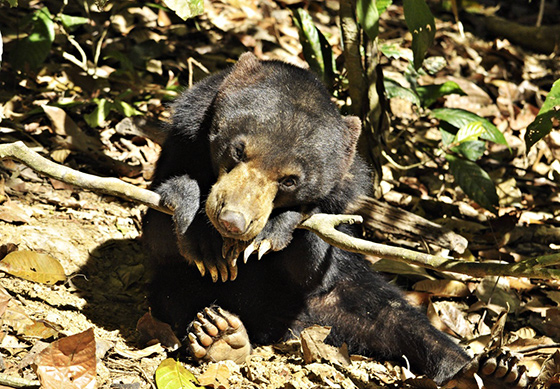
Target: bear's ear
243	73
354	129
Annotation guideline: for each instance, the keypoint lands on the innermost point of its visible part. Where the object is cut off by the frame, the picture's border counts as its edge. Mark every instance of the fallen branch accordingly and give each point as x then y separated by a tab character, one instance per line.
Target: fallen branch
321	224
324	226
106	185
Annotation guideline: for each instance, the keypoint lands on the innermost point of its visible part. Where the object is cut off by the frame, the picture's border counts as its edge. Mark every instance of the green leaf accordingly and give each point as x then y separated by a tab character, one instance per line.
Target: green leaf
34	49
542	125
125	109
474	181
171	374
186	9
316	49
367	14
393	50
394	89
471	150
446	137
72	22
429	94
382	5
420	22
459	118
99	114
469	132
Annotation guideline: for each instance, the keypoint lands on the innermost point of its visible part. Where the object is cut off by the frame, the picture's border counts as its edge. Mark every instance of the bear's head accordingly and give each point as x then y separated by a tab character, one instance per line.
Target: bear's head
276	141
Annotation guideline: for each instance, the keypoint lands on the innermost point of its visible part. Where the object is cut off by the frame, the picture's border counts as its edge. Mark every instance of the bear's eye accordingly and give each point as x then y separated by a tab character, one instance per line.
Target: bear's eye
238	151
289	182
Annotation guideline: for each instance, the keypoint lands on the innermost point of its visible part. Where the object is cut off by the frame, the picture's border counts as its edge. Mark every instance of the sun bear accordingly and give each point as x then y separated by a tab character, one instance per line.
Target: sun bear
251	152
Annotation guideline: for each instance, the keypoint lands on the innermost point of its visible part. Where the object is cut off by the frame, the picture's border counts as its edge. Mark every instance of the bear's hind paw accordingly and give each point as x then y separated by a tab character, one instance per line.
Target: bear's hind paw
498	370
218	335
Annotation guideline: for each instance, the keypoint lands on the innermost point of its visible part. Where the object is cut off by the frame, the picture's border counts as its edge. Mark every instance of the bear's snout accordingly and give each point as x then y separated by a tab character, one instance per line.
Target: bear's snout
241	201
233	222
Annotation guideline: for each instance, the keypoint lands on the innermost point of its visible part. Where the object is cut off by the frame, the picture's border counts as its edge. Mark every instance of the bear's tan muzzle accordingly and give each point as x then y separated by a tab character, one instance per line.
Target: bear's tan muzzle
241	201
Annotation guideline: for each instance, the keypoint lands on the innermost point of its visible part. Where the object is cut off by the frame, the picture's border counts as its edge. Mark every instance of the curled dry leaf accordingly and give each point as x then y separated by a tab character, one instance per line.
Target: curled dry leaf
316	350
216	376
14	316
153	330
171	374
124	351
453	318
33	266
4	300
68	363
443	288
549	375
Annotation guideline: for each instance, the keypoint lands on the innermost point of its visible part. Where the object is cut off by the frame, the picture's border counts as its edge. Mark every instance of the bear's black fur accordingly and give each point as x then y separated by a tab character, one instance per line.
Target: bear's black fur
263	145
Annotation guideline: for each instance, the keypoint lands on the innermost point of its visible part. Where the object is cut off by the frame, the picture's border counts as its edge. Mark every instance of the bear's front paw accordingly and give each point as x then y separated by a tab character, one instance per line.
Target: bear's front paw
201	245
497	369
217	335
232	249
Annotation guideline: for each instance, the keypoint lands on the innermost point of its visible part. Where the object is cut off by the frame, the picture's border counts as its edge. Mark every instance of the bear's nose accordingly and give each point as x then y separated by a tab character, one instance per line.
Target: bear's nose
232	221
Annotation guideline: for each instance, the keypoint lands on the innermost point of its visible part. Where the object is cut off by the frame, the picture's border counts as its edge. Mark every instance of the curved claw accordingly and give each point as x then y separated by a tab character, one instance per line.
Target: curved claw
227	247
200	267
213	273
236	249
232	272
248	251
223	269
264	248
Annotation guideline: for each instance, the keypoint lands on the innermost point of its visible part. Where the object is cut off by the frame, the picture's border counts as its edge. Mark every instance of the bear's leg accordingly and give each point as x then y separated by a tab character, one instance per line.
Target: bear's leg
373	319
217	335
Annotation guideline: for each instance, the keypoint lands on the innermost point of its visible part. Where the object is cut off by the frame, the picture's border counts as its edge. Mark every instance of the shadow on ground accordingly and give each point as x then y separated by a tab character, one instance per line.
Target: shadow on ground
113	283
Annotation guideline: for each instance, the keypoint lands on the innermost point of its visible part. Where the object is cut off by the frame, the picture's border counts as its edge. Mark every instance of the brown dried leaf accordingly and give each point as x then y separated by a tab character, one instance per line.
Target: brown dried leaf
453	319
33	266
554	295
12	212
6	249
496	291
443	288
551	325
216	376
68	363
42	329
550	372
153	330
4	300
63	125
127	352
316	350
15	317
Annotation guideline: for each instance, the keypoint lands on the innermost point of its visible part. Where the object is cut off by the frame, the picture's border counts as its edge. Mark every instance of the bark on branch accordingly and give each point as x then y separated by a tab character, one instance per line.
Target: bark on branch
321	224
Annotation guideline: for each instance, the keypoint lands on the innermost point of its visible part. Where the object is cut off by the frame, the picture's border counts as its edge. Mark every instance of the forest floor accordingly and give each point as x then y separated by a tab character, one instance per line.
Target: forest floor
147	55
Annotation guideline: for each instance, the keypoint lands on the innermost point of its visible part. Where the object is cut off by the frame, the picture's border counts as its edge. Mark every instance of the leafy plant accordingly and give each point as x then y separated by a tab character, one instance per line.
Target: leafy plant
104	107
31	51
550	111
316	48
464	134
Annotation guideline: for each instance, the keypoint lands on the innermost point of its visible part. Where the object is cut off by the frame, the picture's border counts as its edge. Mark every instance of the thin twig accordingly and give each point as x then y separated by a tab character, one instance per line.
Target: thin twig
17	382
